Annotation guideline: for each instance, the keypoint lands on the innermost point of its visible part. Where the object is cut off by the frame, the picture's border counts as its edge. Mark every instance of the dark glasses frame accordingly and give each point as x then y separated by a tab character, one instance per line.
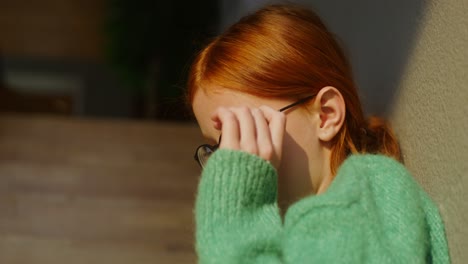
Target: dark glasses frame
212	148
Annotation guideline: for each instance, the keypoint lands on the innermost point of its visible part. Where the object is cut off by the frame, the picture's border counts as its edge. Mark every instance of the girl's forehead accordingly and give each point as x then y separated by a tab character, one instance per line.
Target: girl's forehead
205	103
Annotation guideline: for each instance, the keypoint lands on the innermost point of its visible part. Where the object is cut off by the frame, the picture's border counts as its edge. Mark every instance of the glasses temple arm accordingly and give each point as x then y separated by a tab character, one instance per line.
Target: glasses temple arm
296	103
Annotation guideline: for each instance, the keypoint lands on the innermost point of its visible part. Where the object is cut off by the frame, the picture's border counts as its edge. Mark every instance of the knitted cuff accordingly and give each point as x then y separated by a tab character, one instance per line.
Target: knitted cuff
235	181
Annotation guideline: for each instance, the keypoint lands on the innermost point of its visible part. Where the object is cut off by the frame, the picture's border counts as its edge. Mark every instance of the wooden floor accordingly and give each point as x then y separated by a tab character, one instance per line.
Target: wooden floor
94	191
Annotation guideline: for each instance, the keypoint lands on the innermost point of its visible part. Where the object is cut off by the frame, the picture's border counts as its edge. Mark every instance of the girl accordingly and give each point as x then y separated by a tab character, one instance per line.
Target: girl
295	173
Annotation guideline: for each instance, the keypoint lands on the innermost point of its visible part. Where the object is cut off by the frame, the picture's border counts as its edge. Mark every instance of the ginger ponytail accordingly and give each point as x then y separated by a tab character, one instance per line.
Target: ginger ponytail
371	136
378	137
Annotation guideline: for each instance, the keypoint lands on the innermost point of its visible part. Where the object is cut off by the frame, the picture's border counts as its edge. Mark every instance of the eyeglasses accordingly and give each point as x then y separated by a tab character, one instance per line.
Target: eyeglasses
204	151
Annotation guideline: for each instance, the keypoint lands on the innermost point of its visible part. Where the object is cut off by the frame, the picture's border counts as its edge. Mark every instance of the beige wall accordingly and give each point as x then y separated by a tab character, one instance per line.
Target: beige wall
430	115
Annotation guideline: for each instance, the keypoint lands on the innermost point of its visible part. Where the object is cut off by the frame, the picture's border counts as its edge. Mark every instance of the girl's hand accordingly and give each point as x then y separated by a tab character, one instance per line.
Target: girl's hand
258	131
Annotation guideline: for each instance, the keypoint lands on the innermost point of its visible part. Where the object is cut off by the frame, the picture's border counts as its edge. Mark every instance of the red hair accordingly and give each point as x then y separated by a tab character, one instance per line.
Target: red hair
284	51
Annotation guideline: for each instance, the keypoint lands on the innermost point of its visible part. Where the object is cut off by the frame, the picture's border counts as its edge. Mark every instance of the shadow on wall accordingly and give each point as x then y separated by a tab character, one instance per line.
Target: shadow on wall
378	37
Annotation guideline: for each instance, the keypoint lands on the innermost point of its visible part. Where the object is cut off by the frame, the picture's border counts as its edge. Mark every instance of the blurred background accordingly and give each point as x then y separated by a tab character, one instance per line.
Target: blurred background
115	58
96	143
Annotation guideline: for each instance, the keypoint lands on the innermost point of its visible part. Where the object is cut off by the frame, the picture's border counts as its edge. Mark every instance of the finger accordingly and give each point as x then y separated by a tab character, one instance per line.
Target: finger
277	124
229	128
264	143
217	124
248	133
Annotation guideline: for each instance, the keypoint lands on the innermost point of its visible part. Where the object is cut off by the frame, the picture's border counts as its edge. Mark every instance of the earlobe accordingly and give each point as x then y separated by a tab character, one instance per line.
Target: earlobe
332	111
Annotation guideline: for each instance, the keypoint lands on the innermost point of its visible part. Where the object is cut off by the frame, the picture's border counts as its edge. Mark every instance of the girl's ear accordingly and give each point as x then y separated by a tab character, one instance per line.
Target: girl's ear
332	112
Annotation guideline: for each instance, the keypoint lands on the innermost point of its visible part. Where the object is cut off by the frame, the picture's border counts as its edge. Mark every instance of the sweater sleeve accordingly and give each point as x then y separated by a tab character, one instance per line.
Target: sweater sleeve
372	213
238	220
237	217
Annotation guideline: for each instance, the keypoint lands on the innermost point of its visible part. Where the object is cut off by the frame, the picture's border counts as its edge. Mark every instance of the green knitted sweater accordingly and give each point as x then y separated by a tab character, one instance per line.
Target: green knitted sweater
373	212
